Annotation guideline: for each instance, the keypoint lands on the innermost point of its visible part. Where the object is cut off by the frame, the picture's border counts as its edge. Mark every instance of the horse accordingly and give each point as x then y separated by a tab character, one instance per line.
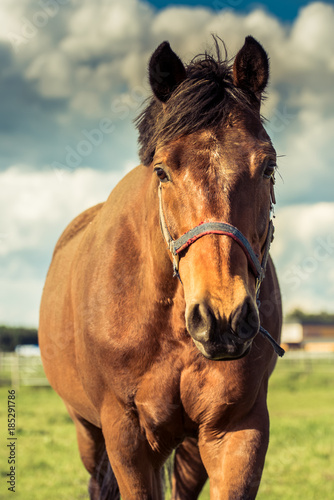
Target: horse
154	303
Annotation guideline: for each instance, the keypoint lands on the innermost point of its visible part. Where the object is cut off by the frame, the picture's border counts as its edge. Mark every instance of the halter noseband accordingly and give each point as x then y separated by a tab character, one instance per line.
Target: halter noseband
223	228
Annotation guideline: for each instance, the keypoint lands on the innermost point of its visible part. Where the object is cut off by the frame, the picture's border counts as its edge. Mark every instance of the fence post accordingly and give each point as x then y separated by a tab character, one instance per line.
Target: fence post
15	371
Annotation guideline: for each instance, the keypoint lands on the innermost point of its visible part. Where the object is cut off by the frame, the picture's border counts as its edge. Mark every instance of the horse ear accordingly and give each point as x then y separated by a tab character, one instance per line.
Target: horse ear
166	72
251	67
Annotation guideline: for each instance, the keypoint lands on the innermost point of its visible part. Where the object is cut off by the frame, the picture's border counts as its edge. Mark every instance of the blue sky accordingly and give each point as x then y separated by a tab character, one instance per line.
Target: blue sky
287	10
67	67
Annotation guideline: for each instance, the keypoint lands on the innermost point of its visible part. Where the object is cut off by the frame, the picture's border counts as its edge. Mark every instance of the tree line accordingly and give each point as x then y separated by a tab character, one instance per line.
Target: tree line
322	318
11	336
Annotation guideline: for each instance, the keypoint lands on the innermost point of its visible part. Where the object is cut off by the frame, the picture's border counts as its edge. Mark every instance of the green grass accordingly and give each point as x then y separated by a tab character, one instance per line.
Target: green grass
299	464
48	463
300	459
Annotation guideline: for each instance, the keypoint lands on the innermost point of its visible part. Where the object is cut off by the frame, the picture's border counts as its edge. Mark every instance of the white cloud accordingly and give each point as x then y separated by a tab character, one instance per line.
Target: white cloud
312	35
38	207
12	18
87	103
303	251
53	73
91	53
19	300
181	26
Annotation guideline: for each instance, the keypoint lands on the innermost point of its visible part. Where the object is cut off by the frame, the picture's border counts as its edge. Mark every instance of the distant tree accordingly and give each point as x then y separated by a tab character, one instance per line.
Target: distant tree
10	337
323	317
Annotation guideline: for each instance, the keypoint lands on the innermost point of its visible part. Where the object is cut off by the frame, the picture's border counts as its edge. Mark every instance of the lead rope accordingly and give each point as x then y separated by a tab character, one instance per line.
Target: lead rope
261	274
277	348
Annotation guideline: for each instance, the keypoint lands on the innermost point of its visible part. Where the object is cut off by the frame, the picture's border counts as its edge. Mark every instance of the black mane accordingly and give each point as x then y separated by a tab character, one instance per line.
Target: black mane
203	100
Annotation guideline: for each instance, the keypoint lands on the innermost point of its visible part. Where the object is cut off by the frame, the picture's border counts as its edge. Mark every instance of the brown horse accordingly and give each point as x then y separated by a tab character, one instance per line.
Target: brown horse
145	362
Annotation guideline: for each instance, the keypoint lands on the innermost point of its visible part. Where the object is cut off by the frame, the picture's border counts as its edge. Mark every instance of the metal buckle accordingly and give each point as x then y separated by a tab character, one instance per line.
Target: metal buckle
259	280
176	260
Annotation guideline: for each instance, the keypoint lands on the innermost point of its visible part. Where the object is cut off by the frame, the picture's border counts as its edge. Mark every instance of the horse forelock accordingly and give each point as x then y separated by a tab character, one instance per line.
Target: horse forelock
204	100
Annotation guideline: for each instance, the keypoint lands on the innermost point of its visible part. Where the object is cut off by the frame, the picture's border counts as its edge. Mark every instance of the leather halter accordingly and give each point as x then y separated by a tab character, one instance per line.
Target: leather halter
223	228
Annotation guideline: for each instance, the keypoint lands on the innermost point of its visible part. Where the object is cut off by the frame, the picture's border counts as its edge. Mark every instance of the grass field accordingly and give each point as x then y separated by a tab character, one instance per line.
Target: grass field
299	464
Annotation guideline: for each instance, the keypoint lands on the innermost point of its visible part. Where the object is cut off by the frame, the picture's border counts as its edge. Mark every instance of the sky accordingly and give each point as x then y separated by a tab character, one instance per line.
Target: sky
73	75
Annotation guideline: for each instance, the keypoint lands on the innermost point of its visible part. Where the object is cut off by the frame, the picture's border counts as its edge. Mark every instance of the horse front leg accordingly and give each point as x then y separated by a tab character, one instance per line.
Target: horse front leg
102	483
189	475
235	461
136	468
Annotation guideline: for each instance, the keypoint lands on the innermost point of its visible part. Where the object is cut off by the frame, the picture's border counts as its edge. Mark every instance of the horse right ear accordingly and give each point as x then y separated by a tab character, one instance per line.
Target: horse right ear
166	72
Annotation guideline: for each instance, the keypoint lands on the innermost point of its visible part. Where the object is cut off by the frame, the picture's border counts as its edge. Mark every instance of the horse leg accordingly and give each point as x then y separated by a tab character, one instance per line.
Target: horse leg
235	461
189	474
92	449
136	466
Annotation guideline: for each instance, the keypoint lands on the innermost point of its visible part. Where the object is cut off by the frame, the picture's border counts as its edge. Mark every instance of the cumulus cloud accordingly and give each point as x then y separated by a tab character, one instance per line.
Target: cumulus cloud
68	66
40	204
304	255
38	207
74	60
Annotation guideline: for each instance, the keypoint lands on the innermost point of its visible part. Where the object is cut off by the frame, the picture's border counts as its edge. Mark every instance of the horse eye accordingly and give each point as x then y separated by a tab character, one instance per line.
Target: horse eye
269	170
161	174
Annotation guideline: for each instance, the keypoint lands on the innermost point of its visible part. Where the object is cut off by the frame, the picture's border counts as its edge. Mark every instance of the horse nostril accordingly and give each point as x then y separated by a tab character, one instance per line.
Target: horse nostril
245	320
200	322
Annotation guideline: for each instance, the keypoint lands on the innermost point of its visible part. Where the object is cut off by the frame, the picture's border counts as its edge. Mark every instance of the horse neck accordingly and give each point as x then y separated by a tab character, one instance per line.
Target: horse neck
151	291
166	296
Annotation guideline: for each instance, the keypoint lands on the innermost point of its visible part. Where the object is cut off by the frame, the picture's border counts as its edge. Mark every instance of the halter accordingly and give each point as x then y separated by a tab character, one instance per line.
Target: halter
223	228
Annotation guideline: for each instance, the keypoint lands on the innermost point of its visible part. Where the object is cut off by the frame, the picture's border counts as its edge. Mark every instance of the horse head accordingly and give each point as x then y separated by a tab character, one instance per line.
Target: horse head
213	164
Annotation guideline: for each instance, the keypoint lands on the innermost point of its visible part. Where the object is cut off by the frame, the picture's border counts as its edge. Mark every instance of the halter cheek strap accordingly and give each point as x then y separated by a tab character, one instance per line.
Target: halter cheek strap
223	228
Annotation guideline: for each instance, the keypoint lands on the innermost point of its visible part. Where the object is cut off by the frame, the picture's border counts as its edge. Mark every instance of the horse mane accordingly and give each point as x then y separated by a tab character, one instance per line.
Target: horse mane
203	100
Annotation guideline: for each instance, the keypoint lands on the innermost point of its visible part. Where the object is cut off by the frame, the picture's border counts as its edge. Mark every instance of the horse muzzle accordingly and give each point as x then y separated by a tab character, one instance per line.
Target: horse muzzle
221	338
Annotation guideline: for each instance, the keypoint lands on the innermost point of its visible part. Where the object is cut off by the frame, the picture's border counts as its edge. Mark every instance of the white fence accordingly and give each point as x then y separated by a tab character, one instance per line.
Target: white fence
16	370
300	355
307	361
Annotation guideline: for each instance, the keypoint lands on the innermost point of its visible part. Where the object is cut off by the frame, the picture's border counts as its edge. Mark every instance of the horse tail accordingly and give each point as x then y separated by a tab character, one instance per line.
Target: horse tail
103	484
109	488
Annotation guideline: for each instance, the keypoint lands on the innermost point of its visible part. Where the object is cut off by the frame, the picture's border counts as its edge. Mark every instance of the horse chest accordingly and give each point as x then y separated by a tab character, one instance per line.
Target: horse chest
159	409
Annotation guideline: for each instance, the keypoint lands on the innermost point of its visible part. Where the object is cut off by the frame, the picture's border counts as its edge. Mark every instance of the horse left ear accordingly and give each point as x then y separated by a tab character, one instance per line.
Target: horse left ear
166	72
251	67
